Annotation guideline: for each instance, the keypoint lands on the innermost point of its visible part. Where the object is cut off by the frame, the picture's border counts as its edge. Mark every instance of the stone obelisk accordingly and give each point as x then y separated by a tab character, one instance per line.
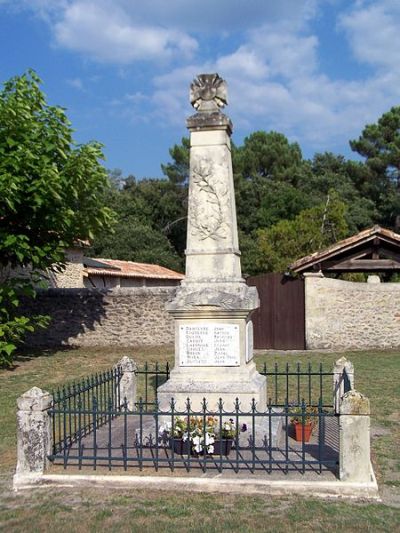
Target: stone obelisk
212	306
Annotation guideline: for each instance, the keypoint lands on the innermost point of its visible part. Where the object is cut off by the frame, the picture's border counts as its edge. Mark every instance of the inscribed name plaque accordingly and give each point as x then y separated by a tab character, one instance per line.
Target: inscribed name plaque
206	344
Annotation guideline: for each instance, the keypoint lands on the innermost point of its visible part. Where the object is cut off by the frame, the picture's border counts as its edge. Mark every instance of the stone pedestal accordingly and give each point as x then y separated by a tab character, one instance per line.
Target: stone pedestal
128	382
212	306
354	435
213	360
34	437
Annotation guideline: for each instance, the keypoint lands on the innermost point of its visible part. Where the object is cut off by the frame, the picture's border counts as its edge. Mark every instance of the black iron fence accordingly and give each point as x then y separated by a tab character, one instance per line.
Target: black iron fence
92	425
100	390
295	437
149	378
291	383
77	399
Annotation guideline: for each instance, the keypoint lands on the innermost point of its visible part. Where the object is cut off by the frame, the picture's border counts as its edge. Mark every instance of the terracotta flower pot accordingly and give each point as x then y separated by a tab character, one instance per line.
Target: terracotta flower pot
222	446
302	432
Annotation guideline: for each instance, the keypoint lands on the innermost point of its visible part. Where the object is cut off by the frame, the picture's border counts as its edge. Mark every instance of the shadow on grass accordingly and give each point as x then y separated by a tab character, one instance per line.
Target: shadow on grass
26	354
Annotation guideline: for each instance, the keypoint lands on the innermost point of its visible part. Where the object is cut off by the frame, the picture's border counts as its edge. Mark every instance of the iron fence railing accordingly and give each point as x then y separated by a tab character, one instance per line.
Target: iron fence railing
293	382
103	388
196	439
149	378
93	408
285	383
78	397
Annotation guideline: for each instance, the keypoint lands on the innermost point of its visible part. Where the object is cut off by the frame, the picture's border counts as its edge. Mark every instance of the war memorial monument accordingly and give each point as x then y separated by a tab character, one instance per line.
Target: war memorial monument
100	423
213	305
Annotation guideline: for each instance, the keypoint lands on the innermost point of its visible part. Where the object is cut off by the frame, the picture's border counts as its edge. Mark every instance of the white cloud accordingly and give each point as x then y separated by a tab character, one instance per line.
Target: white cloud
107	35
287	54
269	52
275	82
76	83
124	31
245	61
137	97
373	32
170	97
211	15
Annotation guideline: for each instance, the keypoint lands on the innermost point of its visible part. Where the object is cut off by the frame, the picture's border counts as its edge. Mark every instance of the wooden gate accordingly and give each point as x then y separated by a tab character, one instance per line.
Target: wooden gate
279	322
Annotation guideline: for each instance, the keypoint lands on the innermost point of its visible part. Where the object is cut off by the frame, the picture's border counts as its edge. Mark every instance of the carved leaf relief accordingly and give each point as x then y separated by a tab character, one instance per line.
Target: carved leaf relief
208	201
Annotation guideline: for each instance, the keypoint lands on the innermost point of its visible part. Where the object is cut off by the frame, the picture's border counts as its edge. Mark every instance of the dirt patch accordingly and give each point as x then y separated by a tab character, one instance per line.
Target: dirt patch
394	417
379	431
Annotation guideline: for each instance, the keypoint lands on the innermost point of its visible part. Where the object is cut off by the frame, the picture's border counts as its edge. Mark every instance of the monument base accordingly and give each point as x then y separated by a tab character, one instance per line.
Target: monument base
227	383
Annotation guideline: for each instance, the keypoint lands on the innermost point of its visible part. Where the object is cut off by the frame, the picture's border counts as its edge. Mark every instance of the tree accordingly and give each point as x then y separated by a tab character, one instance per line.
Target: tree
178	171
333	172
265	166
379	144
277	192
51	194
150	213
135	240
308	232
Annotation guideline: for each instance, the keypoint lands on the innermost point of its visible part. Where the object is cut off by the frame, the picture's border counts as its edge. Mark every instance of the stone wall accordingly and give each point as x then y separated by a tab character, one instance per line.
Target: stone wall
93	317
343	314
72	275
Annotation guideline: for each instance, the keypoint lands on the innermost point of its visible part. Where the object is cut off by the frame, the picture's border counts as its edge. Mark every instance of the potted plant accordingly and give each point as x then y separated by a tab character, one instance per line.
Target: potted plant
202	432
180	441
223	444
199	435
177	436
303	421
212	439
189	435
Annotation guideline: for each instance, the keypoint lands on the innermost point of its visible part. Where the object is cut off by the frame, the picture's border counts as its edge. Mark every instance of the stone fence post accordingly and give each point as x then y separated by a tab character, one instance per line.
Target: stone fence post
34	435
128	383
354	436
343	380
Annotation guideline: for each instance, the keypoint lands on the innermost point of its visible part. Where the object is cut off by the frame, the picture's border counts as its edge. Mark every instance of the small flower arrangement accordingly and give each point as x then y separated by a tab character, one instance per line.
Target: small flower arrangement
201	432
180	429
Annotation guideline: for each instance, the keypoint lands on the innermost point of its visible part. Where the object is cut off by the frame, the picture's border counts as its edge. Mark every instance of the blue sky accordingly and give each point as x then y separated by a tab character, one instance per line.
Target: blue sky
315	70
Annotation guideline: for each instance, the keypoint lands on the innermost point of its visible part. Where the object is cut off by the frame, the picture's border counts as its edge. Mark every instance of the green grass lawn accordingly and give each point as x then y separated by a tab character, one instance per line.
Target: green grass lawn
377	374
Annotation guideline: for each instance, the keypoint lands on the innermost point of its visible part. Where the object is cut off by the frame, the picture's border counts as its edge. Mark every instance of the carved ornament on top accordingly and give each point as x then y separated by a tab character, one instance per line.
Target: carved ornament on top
208	93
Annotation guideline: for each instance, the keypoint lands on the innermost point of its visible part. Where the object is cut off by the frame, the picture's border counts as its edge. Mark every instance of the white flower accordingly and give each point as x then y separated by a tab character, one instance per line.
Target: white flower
164	428
201	442
209	439
197	444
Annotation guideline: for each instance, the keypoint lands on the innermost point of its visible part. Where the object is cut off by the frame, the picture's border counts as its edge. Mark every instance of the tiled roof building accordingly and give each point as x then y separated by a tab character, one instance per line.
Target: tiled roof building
101	273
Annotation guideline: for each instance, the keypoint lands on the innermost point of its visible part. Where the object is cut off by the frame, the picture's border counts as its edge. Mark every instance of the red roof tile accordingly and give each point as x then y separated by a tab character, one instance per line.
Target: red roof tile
129	269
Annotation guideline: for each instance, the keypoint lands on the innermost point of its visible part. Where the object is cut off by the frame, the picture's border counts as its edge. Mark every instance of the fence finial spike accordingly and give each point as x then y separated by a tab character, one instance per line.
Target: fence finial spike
204	405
